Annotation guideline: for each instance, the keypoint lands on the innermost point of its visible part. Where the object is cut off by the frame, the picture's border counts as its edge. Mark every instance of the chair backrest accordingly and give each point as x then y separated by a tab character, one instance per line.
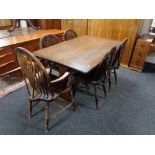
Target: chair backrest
69	34
119	51
103	67
48	40
35	75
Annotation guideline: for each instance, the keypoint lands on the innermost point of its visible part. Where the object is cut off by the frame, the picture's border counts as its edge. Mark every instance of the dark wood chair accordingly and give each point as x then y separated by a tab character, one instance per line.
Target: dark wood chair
46	41
116	63
100	75
39	85
69	34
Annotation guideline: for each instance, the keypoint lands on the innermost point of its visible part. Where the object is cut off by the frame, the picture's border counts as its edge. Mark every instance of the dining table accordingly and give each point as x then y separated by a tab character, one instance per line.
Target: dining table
81	54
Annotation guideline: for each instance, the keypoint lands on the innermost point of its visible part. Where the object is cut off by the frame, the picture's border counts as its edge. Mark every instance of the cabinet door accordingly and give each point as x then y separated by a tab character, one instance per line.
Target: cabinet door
140	52
78	25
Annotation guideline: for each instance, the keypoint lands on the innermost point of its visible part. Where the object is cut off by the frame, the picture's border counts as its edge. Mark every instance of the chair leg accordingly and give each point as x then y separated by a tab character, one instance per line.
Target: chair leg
46	116
30	109
96	97
115	74
74	89
73	100
104	89
50	71
109	81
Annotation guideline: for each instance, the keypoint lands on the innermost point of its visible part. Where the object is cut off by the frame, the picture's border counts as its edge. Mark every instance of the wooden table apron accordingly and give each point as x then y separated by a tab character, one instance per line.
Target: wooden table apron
81	54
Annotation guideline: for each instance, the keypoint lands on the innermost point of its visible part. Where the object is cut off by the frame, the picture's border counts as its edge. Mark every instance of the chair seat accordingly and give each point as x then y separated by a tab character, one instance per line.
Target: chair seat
90	77
54	72
44	97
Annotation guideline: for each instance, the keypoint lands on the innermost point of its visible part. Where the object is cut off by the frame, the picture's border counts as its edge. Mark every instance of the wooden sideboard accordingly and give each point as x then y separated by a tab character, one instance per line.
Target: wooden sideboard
25	37
140	53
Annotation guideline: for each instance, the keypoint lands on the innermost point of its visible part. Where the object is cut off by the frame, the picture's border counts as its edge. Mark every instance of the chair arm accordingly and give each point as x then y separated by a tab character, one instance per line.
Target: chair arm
64	76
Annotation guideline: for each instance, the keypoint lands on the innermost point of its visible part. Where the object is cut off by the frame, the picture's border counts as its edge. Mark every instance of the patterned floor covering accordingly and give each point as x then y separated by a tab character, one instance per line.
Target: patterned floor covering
9	84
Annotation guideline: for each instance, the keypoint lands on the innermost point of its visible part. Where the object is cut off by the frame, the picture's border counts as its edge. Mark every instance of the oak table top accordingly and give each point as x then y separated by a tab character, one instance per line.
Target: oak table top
80	54
22	35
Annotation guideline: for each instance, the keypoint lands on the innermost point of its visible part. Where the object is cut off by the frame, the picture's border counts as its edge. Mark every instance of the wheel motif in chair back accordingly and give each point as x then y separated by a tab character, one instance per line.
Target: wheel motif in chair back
69	34
35	75
48	40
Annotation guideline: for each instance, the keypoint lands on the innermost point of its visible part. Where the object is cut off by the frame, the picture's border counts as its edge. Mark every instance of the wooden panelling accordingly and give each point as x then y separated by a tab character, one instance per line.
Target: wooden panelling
5	24
78	25
49	23
116	29
140	52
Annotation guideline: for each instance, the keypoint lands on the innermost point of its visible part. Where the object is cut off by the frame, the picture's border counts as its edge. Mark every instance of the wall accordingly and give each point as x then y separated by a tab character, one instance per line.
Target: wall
5	23
78	25
116	29
49	23
145	26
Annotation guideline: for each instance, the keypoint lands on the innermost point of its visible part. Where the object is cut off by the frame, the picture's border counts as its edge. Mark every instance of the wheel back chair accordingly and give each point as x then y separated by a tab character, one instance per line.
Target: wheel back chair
100	75
69	34
39	85
116	63
46	41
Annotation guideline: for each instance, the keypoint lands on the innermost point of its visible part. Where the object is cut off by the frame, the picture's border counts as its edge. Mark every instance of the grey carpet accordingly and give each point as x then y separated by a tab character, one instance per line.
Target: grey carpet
9	84
128	109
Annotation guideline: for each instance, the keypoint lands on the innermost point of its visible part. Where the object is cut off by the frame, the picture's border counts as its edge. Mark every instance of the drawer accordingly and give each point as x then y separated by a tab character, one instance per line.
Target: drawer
7	58
8	67
6	50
